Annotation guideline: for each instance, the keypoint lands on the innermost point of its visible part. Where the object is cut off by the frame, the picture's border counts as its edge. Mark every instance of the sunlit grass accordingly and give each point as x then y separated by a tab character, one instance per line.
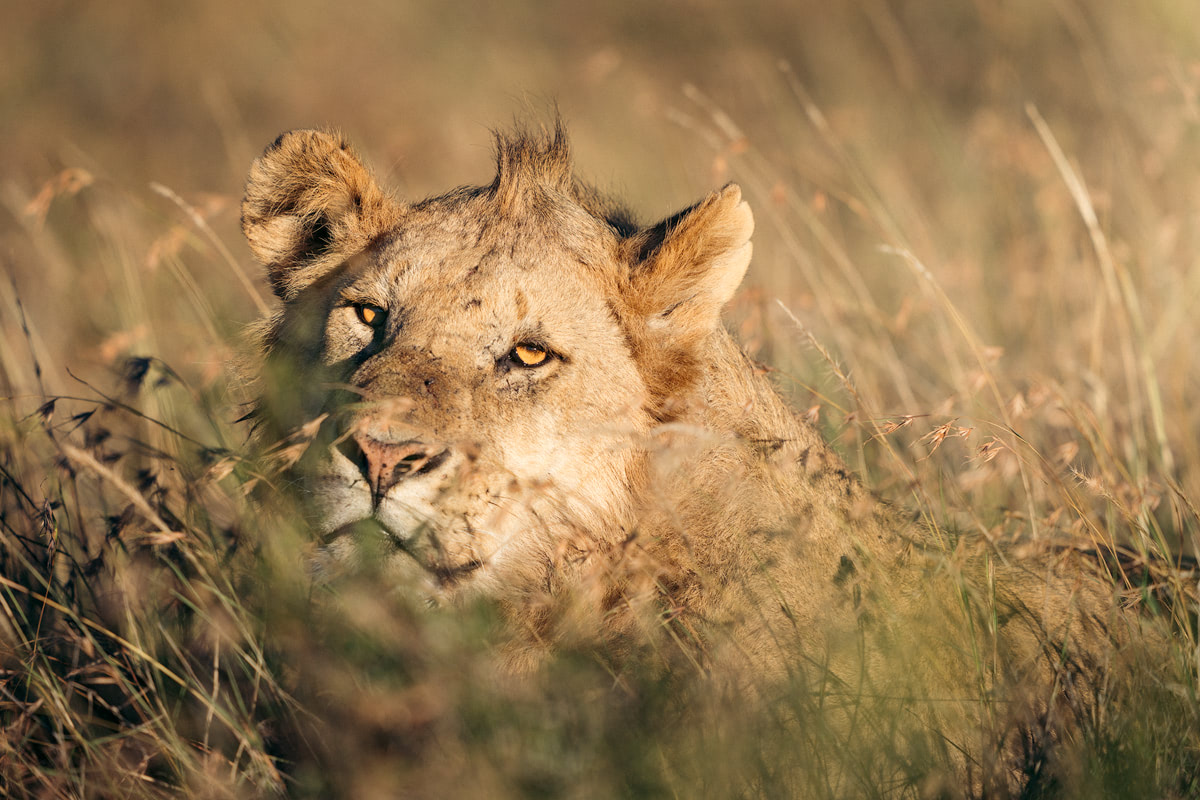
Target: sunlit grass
975	270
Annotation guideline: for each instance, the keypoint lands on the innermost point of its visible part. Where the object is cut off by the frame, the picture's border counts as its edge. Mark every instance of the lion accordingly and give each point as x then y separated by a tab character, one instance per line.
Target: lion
524	394
528	383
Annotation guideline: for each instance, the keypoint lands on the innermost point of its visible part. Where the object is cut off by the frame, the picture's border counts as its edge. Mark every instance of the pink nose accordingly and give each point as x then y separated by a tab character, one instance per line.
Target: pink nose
387	463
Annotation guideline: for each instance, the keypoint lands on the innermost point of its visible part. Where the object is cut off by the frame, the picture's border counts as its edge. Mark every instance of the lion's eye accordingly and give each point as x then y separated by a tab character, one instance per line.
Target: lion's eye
529	355
369	315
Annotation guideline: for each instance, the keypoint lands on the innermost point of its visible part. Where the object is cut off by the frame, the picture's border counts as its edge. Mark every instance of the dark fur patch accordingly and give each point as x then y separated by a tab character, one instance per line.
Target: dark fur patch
320	239
844	571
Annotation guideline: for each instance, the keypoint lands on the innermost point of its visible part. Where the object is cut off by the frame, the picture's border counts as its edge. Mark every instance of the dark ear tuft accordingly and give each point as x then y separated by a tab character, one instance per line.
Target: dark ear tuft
310	204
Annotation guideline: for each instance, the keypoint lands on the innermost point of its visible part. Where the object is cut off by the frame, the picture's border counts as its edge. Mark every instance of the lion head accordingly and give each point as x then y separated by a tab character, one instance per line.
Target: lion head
493	364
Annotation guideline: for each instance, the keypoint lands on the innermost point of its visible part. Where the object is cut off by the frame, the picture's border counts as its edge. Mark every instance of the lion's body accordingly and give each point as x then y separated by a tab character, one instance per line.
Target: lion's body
639	471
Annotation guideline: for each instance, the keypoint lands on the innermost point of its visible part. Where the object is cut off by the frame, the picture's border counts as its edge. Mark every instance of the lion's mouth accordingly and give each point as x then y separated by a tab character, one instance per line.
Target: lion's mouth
450	574
420	548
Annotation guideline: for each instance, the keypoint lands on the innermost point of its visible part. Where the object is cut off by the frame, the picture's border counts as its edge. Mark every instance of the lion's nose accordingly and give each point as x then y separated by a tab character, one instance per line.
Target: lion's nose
385	464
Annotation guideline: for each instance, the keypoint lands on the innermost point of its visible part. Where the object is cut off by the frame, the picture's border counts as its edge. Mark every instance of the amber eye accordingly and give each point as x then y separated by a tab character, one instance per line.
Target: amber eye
529	355
372	316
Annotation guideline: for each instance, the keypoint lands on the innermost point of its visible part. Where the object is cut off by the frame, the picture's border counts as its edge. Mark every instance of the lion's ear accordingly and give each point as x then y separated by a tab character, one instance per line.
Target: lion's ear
310	204
688	266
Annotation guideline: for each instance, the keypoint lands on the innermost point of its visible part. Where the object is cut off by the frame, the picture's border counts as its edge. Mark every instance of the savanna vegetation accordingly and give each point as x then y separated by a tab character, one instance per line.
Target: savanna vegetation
975	267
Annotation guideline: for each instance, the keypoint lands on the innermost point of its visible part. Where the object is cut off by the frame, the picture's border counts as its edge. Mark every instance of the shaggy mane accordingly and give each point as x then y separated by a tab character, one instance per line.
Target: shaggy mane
531	166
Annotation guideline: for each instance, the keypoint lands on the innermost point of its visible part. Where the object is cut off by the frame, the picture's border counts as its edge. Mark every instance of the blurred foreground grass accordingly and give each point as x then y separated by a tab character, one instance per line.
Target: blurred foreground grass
981	223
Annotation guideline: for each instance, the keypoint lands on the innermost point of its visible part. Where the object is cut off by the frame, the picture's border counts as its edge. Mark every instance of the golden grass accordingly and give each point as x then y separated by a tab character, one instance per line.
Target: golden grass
975	267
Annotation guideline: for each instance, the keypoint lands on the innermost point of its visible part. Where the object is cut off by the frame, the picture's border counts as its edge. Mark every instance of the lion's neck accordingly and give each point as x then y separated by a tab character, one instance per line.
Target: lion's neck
735	398
757	486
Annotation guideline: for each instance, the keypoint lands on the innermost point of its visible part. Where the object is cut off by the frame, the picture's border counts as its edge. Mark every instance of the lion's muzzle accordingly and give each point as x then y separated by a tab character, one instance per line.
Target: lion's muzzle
386	463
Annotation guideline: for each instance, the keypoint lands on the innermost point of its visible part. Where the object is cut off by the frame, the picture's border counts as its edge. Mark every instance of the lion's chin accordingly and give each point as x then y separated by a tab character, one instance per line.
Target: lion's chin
449	575
369	541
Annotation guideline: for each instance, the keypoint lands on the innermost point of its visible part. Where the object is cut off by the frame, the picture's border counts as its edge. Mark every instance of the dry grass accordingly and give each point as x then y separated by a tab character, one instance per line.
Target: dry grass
975	267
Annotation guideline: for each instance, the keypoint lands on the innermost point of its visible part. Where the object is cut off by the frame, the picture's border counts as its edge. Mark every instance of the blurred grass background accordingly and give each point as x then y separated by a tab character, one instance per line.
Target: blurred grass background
985	218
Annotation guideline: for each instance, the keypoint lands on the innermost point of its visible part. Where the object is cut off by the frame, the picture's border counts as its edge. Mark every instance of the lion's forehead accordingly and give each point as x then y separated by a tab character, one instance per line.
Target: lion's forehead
486	282
466	244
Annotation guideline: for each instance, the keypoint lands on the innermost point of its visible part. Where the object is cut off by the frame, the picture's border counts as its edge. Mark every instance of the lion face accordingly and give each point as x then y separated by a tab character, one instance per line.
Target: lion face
497	402
489	364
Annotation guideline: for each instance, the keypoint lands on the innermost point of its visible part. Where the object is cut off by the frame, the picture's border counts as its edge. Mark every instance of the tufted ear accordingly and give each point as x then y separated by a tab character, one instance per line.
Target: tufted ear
688	266
310	204
682	272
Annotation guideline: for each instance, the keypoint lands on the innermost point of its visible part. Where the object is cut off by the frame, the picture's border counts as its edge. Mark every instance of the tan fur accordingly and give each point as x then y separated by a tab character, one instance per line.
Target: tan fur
310	205
645	475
